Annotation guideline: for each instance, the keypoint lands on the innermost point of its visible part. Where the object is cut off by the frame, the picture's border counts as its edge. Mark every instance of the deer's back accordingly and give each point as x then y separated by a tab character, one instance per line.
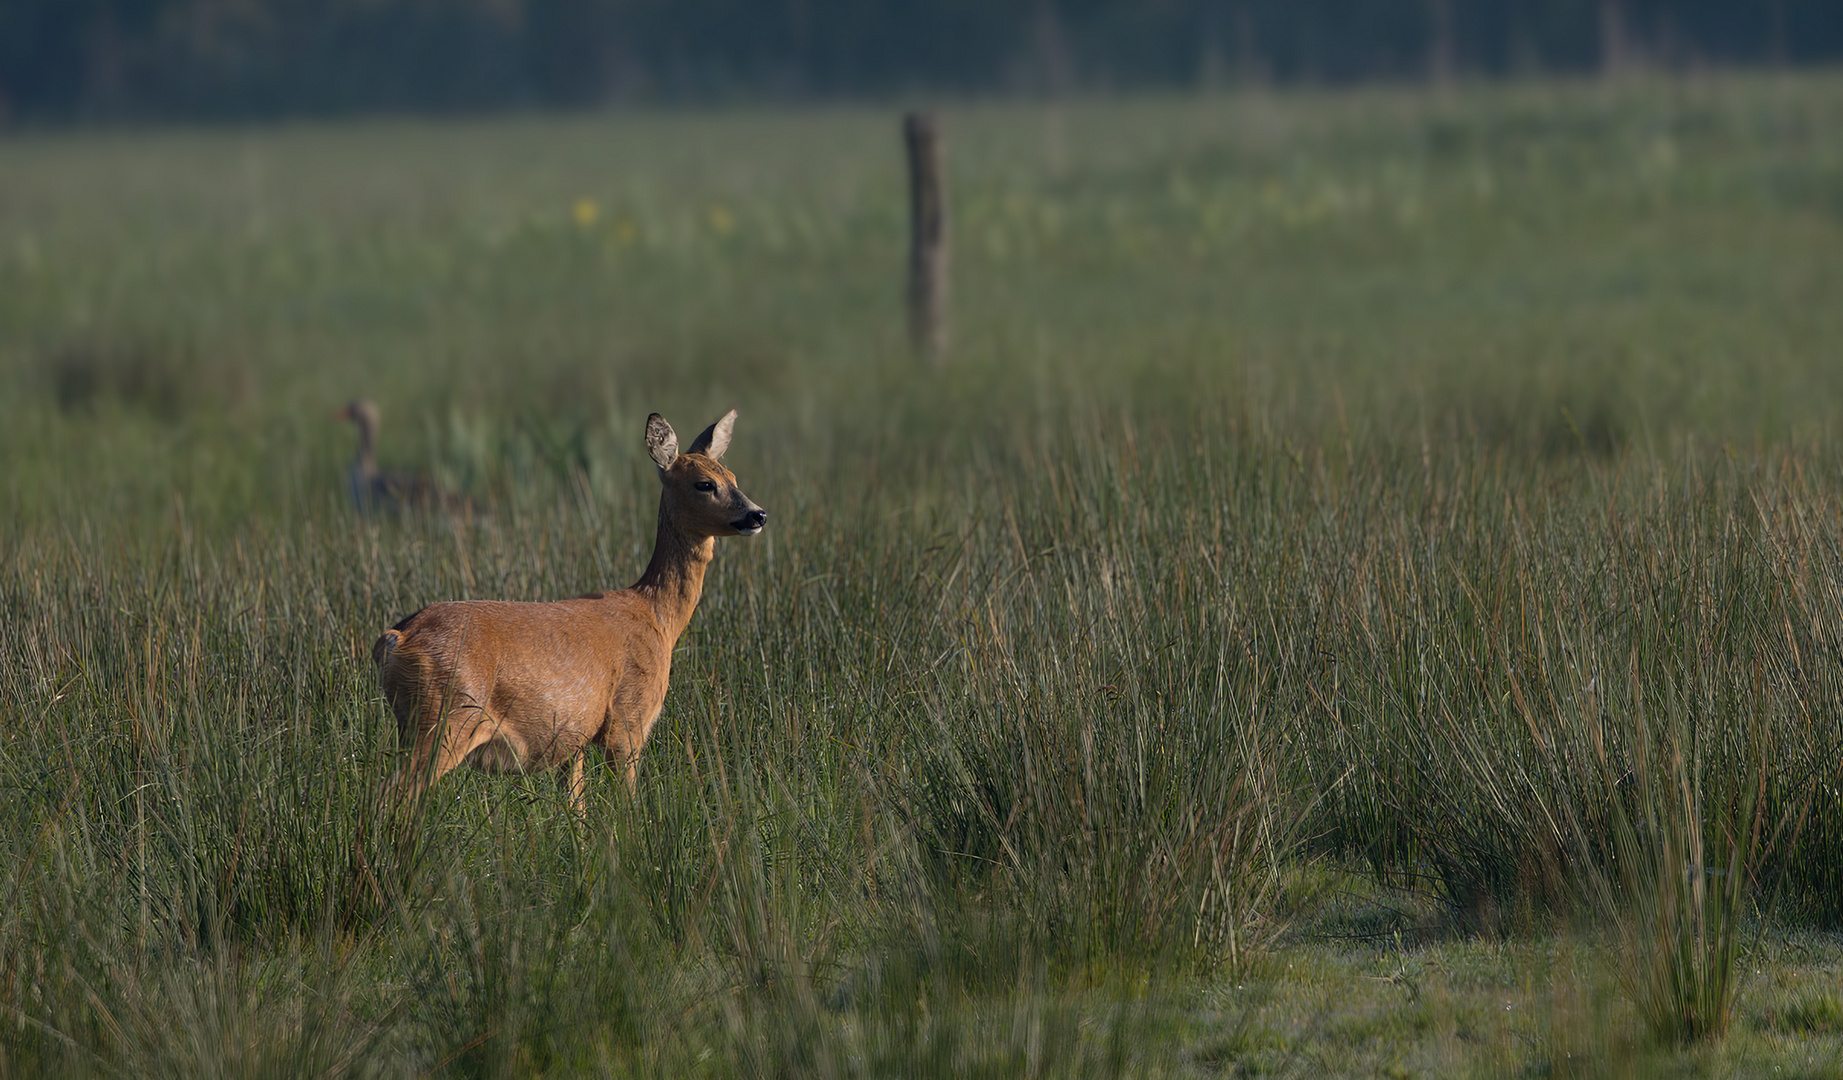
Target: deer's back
562	659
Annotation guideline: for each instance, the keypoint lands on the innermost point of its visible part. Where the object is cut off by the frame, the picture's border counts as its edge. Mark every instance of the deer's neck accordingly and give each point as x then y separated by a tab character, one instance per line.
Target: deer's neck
674	580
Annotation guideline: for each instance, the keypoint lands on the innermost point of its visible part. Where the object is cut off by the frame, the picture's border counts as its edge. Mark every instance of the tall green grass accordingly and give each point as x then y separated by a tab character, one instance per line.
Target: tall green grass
1436	487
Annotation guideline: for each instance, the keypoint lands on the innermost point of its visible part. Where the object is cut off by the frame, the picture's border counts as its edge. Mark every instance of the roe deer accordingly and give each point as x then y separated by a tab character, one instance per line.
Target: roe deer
506	686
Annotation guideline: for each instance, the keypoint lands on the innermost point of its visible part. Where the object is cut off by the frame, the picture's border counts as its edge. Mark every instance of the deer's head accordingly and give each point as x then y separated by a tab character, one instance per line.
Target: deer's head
701	495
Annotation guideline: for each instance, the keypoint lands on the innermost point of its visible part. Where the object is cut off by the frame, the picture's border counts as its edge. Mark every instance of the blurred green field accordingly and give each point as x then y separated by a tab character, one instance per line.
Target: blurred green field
1361	596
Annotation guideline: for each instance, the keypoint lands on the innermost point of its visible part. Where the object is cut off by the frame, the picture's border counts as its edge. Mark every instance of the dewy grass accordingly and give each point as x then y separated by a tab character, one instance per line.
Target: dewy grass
1437	491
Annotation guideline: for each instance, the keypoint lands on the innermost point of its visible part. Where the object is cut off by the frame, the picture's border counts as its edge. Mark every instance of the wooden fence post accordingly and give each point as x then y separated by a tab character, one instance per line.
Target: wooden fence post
927	237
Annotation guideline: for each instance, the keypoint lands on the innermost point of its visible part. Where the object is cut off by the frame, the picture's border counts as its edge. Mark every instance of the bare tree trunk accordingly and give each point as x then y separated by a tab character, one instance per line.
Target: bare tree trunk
1211	64
1613	47
1440	47
1053	57
1776	44
104	63
927	237
1249	69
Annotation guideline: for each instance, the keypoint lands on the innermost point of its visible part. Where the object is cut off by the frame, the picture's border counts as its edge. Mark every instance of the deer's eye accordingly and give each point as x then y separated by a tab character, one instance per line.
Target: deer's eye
705	485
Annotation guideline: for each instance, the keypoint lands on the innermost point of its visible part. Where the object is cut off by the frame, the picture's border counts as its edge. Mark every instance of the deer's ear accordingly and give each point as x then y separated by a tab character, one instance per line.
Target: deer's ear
716	437
661	442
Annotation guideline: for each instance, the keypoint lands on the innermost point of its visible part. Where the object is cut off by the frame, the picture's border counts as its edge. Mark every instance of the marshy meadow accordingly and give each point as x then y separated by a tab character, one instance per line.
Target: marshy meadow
1361	593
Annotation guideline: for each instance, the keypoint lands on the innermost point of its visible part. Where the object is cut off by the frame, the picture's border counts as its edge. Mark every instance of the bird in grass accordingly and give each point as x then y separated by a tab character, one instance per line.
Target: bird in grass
374	490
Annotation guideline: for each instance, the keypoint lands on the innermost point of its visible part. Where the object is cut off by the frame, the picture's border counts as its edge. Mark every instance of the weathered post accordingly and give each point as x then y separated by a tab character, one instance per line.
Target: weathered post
927	237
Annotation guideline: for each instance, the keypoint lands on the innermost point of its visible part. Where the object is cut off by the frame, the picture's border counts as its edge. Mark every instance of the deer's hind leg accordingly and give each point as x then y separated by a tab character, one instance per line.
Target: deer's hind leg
444	733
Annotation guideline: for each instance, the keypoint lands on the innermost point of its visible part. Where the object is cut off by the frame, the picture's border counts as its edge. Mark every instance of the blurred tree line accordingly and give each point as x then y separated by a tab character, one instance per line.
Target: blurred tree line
73	59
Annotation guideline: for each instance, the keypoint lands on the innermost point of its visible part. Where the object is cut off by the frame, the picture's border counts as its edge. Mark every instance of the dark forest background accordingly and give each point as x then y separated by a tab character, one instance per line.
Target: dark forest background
115	59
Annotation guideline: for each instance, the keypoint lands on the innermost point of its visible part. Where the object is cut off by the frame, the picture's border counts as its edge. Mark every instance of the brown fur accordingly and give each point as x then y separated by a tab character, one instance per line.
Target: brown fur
505	686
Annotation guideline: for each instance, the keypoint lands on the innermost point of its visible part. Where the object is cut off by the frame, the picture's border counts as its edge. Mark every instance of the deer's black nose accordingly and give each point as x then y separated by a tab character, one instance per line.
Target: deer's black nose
752	521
